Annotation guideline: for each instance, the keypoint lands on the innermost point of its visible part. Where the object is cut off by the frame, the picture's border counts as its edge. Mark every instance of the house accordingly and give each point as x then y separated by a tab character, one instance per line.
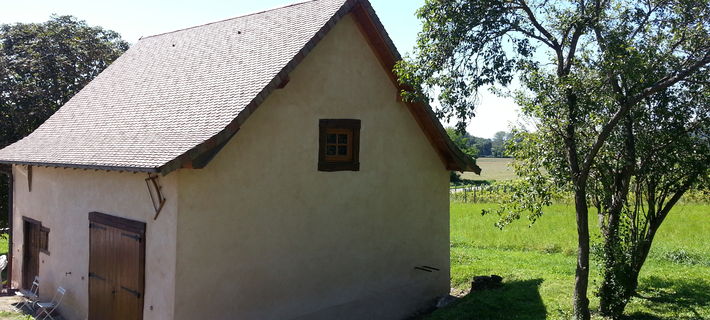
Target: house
260	167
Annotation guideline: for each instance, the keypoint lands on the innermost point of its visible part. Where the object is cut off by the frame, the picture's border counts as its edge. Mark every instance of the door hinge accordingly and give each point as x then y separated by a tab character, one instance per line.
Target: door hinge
93	275
133	292
132	236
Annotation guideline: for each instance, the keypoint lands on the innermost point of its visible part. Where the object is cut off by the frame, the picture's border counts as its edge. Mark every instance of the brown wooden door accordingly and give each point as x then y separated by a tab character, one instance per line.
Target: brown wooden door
30	255
116	268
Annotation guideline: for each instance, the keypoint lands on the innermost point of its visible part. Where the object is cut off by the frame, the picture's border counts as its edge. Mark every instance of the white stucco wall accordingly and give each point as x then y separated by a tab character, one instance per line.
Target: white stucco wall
62	199
262	234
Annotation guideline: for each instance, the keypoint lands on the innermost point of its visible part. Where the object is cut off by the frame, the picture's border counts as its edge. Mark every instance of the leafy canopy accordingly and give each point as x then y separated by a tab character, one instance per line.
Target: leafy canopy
42	65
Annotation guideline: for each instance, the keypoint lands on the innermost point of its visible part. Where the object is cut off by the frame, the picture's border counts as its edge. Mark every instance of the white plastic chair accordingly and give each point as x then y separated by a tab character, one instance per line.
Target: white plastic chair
29	297
47	308
3	265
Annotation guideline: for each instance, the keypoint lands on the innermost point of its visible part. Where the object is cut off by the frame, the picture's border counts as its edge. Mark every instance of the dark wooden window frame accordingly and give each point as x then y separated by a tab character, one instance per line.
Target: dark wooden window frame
352	163
44	234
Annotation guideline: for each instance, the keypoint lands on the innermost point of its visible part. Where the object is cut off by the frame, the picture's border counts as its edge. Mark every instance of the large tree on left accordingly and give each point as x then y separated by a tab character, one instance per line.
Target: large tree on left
42	65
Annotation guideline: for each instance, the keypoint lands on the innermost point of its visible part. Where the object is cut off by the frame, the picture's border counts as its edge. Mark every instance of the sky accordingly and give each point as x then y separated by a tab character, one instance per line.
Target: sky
136	18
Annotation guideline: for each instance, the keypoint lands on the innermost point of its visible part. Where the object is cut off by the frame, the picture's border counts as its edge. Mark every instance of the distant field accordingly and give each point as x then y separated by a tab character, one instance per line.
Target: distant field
537	263
492	169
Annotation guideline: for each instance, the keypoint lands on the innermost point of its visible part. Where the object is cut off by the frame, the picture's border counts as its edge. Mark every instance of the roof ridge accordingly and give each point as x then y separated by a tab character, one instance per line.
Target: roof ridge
228	19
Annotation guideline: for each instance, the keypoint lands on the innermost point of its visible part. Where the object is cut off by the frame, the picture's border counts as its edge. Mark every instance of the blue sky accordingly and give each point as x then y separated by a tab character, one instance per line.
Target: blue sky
136	18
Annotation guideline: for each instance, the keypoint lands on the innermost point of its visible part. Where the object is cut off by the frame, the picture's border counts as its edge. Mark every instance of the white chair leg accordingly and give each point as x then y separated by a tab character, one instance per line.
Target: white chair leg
39	314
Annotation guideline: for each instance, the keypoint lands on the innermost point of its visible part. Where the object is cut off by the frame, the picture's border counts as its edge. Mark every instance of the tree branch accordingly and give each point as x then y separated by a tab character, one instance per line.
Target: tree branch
535	36
553	43
671	80
578	30
630	103
537	24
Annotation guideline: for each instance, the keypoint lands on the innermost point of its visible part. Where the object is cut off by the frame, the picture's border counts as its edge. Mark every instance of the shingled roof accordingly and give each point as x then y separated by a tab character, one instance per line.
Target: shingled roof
172	100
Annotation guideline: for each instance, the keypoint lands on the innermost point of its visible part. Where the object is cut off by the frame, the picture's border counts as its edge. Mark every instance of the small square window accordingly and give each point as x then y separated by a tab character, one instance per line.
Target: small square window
339	145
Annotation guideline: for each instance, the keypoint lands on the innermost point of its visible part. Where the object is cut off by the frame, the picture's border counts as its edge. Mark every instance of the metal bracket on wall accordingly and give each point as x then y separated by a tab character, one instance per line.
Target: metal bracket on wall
156	194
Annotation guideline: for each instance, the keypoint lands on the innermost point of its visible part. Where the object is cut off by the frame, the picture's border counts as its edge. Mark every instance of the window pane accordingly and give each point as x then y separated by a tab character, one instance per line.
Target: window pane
342	139
330	151
342	150
331	138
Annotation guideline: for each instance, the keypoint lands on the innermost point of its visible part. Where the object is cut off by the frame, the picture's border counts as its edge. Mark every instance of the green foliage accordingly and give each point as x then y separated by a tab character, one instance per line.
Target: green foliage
481	147
499	144
462	142
10	315
42	65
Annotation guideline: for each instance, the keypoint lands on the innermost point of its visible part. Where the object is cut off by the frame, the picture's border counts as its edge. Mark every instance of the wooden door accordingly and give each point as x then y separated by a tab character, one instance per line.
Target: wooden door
30	255
116	268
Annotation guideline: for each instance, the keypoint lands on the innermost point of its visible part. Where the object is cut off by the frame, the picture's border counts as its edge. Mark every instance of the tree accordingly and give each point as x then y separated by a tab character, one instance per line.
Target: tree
42	65
585	65
661	152
499	142
464	143
484	146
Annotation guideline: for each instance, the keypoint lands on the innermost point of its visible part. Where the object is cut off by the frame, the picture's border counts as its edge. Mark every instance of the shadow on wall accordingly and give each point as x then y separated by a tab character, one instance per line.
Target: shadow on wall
519	298
684	298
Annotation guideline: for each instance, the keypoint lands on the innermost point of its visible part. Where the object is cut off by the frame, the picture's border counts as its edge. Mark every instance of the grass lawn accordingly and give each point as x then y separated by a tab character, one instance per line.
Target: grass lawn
5	315
538	262
492	169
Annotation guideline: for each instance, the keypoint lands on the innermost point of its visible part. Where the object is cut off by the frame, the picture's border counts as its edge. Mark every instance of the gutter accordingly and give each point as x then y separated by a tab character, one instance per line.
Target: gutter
78	166
7	170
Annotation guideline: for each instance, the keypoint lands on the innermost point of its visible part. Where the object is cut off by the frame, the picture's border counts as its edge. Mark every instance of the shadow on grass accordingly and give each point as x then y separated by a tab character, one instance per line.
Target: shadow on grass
515	300
683	298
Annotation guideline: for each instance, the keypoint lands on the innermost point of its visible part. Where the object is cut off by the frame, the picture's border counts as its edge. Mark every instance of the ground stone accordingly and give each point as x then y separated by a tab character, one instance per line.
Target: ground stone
486	282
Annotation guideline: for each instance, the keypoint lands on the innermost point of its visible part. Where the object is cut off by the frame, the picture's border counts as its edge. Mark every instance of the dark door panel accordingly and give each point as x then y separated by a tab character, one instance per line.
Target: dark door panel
116	268
30	255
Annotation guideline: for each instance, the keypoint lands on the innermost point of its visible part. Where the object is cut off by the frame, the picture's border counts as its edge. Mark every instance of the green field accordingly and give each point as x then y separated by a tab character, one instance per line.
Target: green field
492	169
538	262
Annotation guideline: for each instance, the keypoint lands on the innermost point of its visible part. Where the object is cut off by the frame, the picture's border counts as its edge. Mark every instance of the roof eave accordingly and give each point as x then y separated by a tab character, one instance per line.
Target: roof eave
81	166
387	53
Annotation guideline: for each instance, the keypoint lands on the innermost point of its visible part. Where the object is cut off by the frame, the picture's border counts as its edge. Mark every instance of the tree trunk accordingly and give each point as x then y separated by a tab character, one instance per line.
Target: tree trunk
617	288
581	279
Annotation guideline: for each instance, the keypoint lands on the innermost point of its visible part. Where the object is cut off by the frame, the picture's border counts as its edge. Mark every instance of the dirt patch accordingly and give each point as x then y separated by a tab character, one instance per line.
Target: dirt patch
8	305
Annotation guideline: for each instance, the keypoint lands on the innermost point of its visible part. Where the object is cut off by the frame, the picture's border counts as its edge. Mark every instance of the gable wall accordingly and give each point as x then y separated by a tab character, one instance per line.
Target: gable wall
263	235
62	199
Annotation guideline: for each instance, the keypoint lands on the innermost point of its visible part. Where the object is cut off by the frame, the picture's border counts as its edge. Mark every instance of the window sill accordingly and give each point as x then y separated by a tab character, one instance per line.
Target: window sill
338	166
